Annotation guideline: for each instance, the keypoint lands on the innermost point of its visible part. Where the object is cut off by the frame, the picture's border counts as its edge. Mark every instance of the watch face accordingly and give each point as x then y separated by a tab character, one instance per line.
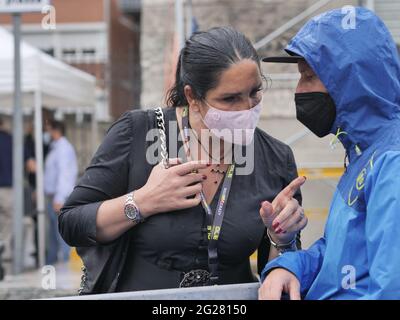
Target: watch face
131	212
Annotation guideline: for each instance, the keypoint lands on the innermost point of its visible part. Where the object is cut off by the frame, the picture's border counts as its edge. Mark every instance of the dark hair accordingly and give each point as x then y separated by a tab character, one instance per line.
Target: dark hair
57	125
205	56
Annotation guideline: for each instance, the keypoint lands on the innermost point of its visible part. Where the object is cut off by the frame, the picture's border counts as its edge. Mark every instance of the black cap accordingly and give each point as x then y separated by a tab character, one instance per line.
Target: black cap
284	59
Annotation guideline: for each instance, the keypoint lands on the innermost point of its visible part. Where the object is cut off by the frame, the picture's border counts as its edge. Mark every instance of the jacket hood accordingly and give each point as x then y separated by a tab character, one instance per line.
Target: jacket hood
359	65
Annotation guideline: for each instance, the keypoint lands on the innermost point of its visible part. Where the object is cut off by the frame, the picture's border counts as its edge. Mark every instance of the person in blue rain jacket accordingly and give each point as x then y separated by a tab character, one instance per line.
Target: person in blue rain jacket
358	69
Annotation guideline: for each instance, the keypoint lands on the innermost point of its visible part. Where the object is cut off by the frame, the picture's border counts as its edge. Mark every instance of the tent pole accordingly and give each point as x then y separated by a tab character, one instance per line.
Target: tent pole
40	199
179	23
18	158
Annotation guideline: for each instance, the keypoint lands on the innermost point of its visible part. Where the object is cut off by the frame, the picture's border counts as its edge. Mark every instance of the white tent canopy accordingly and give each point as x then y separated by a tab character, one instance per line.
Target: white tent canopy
47	82
60	85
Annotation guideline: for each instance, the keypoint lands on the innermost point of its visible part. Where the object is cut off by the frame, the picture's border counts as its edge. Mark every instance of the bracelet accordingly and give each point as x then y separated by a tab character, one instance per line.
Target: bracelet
284	247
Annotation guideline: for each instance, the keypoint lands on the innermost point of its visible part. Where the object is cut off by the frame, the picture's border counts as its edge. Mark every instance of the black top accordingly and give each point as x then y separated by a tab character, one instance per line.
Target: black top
29	153
5	159
168	244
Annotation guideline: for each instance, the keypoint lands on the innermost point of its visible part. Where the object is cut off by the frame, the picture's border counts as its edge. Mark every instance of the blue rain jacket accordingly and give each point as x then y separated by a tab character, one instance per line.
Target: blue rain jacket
359	255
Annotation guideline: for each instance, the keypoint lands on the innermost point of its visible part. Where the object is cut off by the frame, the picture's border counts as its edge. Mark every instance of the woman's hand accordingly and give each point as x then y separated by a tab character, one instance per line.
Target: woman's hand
170	189
284	217
279	280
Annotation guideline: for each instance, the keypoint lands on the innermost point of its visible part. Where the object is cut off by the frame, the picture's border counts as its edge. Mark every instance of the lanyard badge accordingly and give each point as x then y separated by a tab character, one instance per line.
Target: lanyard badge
214	221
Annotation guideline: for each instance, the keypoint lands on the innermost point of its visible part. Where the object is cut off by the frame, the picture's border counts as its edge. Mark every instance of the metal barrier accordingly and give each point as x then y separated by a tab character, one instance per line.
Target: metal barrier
245	291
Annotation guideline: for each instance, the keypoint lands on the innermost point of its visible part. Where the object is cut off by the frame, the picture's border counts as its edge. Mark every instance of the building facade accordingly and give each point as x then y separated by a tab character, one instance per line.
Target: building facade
101	37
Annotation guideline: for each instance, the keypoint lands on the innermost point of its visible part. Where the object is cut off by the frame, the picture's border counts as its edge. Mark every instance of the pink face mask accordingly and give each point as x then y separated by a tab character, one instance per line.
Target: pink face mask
233	126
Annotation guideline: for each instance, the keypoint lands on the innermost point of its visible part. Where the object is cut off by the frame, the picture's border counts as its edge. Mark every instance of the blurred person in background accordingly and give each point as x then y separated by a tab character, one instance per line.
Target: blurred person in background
30	208
6	192
30	174
60	174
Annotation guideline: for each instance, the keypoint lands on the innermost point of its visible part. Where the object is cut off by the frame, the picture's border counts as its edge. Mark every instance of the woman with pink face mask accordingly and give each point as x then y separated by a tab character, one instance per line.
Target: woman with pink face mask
223	189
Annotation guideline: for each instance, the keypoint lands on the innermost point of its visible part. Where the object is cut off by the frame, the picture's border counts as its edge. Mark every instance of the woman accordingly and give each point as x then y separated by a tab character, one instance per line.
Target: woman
157	237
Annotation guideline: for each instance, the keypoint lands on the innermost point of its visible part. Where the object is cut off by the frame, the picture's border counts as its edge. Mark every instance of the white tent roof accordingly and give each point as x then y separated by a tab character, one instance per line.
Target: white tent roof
45	82
61	85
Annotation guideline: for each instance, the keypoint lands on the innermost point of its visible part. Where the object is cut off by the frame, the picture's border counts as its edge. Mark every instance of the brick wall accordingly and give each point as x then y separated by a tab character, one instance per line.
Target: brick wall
67	11
254	18
124	62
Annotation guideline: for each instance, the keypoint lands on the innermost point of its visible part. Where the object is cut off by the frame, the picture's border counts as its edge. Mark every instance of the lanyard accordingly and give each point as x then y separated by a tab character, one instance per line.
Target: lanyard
214	221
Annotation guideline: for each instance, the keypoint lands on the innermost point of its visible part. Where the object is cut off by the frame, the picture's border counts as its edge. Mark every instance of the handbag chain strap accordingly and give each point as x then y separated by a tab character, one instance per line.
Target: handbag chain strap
163	138
165	161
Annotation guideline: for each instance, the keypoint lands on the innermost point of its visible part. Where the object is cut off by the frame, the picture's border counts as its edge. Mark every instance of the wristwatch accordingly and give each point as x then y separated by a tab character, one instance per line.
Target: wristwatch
131	209
285	247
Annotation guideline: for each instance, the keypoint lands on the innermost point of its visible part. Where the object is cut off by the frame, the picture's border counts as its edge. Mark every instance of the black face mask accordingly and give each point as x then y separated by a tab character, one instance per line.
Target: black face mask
317	111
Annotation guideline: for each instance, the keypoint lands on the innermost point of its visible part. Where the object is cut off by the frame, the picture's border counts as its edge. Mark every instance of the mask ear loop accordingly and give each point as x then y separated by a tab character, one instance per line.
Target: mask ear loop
336	140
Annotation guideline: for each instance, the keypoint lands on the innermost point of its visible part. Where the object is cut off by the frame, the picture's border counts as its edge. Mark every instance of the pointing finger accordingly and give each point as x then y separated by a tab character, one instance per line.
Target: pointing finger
287	194
293	187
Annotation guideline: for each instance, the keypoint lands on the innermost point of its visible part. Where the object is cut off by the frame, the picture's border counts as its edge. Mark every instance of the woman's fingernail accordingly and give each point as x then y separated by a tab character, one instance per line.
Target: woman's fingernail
278	231
275	225
204	177
305	177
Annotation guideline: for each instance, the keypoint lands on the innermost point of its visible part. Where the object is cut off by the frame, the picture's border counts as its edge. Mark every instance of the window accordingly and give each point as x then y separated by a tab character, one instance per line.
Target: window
49	51
69	52
89	52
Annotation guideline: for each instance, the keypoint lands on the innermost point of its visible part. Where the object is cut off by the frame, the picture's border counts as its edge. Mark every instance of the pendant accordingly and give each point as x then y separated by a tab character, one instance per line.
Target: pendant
218	171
